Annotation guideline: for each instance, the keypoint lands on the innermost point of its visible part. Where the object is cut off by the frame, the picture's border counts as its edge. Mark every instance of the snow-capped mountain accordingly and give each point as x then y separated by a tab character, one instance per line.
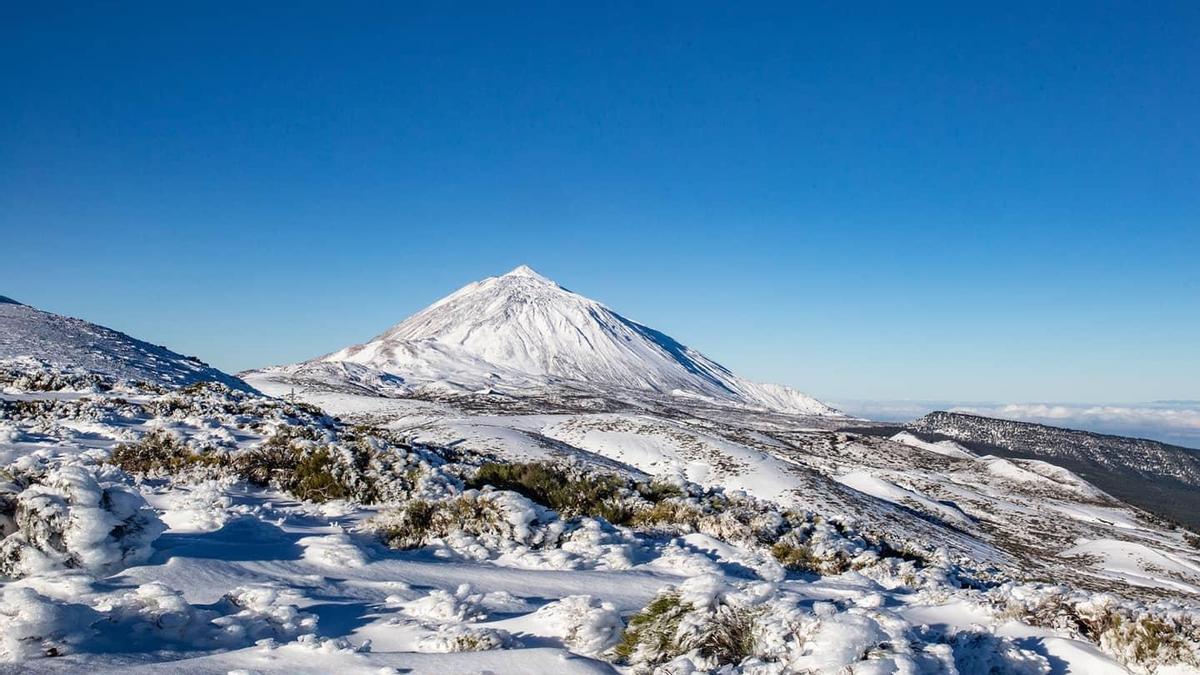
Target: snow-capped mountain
28	333
210	530
520	332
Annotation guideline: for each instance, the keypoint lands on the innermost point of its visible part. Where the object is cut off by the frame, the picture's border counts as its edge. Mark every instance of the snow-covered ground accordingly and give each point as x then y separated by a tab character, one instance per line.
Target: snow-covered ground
518	480
1017	514
221	575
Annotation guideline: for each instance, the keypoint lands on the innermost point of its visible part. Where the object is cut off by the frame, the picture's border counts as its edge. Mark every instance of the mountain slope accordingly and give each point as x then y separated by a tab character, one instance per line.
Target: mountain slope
1156	476
521	331
30	333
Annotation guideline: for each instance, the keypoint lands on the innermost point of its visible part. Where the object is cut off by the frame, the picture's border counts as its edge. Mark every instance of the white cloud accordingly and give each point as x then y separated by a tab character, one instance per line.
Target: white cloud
1169	421
1175	421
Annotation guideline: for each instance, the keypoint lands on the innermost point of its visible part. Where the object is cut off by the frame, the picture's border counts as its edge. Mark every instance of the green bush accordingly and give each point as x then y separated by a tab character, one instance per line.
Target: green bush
570	494
796	557
160	453
652	636
728	636
312	480
418	522
410	526
670	514
291	461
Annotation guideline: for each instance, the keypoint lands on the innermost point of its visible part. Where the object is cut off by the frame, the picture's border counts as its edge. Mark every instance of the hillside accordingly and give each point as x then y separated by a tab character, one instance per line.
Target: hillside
27	333
1159	477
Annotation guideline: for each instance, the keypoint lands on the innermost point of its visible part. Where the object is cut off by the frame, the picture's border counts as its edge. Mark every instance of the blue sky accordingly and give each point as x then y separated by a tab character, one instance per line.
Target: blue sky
953	203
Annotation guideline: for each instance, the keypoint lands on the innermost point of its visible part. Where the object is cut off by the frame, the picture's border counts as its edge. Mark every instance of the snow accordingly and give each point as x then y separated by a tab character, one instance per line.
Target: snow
864	481
242	578
908	556
1129	561
522	331
32	335
947	448
69	518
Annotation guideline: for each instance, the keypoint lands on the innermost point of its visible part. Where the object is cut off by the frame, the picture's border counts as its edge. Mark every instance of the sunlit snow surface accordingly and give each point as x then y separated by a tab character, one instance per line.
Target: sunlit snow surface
29	333
520	333
212	575
247	579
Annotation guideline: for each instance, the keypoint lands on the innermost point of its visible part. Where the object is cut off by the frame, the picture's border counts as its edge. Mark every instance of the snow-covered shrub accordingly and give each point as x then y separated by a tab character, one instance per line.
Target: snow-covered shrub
496	517
706	625
717	630
253	613
34	626
203	506
336	550
652	636
314	463
1143	637
1192	539
671	516
976	652
586	625
67	518
463	638
160	453
355	466
797	557
800	551
442	606
30	374
568	490
154	615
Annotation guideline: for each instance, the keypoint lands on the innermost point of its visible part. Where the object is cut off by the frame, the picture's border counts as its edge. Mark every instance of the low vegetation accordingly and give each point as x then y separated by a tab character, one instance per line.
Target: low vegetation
570	493
160	453
652	636
294	458
1144	638
1192	540
493	516
723	634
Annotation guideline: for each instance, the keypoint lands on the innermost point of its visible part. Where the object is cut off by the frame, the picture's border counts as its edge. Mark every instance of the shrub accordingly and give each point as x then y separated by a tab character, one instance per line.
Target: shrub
313	481
655	491
1139	636
796	557
652	636
728	636
159	453
570	494
295	458
670	514
586	624
460	638
497	516
410	526
68	519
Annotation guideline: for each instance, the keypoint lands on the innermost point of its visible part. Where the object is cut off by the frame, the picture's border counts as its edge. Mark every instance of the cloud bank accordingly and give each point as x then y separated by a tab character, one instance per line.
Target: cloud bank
1175	422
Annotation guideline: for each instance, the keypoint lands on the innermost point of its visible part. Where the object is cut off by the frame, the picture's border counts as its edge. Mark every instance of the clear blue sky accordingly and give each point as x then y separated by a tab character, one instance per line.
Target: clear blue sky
950	202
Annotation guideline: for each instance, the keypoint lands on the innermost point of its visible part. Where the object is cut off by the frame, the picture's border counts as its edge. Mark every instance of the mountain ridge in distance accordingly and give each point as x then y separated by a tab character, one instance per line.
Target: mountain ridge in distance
1156	476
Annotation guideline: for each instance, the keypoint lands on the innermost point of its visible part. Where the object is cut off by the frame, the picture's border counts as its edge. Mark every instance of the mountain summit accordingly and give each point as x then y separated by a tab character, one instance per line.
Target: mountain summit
522	331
